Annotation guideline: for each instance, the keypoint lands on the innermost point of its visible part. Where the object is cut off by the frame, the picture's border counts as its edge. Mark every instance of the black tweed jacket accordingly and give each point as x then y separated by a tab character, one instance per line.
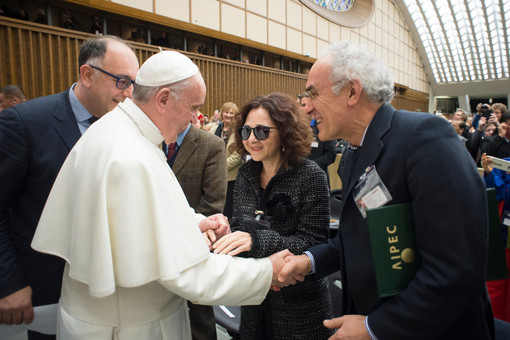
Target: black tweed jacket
295	207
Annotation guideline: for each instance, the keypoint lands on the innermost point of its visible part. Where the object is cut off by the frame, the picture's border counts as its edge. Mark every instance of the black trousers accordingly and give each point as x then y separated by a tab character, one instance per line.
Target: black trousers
202	321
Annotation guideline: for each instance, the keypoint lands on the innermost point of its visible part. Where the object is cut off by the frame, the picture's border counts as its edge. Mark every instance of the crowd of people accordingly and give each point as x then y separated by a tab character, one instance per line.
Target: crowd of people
124	204
485	131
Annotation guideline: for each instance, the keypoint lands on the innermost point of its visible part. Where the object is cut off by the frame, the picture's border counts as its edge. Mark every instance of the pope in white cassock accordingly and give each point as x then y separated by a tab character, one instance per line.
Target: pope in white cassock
118	216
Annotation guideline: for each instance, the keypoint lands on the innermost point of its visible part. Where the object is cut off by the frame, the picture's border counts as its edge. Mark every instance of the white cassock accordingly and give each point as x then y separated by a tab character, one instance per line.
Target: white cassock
134	252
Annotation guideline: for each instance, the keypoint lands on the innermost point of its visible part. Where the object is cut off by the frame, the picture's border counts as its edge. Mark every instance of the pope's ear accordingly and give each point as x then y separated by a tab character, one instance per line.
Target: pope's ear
163	99
86	74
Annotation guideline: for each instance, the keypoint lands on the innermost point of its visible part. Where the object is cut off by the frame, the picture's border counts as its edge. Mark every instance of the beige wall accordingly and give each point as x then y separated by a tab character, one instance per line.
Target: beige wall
290	25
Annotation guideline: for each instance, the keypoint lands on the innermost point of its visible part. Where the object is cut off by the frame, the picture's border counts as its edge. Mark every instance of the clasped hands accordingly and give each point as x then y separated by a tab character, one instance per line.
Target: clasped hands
213	228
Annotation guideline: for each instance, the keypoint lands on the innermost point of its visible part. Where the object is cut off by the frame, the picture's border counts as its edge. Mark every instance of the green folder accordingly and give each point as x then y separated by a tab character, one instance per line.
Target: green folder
396	259
392	239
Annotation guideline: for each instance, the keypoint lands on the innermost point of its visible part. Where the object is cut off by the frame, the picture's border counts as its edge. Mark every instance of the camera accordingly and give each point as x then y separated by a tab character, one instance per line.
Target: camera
486	111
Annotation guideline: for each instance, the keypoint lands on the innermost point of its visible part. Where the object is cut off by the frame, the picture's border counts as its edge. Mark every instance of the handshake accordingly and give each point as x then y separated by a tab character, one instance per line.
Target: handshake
288	269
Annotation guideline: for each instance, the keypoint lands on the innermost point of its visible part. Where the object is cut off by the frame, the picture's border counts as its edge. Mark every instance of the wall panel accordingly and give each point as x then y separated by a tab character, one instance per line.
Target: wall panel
43	60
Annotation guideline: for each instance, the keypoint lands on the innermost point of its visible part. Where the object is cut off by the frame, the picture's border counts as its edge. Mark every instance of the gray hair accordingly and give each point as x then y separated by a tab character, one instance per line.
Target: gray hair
350	61
464	114
142	93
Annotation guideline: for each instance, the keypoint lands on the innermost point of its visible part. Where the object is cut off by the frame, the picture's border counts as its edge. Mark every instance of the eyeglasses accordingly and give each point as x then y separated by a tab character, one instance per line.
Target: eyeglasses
122	82
261	132
313	93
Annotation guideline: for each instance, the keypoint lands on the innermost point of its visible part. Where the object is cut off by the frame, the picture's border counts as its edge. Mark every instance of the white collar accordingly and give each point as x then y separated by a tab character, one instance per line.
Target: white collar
144	124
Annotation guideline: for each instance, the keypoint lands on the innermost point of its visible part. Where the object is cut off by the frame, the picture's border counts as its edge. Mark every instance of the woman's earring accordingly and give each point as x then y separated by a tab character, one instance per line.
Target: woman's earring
283	148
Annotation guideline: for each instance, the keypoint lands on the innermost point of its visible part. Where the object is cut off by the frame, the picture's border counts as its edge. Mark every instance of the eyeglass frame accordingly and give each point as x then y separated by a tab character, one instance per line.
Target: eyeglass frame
115	77
254	129
313	93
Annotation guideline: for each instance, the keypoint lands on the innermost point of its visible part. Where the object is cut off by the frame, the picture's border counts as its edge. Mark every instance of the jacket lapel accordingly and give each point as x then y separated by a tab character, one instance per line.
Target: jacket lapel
372	146
187	148
65	122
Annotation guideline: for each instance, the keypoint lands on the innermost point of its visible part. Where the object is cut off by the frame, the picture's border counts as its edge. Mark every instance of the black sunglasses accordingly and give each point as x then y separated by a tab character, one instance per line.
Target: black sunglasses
261	132
122	82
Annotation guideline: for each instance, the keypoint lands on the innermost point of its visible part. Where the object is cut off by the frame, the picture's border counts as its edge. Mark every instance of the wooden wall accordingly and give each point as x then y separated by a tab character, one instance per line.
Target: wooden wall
412	101
43	60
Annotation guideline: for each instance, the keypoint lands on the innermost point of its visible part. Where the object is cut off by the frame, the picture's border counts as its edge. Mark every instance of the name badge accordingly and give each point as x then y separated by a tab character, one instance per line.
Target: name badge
315	144
506	218
370	191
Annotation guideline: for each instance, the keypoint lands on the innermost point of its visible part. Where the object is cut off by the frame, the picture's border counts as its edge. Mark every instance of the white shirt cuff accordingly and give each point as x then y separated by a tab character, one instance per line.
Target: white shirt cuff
312	261
372	335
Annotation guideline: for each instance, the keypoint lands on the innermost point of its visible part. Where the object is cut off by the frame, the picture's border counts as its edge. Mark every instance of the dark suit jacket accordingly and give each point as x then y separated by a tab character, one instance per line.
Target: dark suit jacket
324	154
496	146
35	138
421	160
201	169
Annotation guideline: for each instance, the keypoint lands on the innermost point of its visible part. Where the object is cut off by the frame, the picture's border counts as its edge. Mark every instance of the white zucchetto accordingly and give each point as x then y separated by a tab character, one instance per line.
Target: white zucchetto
165	68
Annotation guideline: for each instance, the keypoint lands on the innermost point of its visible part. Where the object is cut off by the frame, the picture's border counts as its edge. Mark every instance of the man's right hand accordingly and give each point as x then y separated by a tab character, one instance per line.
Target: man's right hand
279	261
296	268
17	308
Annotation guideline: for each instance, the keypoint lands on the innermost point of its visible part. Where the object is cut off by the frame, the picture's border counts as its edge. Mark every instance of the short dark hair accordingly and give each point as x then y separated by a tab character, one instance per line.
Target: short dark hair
13	91
95	49
295	131
505	117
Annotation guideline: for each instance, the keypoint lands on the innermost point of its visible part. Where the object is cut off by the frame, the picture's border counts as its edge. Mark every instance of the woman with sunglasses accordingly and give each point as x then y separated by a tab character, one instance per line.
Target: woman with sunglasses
281	201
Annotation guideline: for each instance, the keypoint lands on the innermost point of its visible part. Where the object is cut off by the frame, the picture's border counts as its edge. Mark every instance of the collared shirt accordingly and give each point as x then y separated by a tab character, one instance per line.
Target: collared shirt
354	147
180	138
81	114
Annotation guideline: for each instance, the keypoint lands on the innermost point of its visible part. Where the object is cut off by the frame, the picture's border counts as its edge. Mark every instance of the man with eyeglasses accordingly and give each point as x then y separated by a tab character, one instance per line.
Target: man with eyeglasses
133	245
35	138
396	156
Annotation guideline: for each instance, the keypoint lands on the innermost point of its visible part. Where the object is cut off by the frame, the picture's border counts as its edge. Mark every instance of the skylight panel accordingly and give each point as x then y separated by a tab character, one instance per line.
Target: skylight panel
464	38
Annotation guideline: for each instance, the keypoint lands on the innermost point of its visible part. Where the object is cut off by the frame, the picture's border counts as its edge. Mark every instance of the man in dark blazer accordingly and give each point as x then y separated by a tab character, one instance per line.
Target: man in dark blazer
35	138
200	166
322	153
420	160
